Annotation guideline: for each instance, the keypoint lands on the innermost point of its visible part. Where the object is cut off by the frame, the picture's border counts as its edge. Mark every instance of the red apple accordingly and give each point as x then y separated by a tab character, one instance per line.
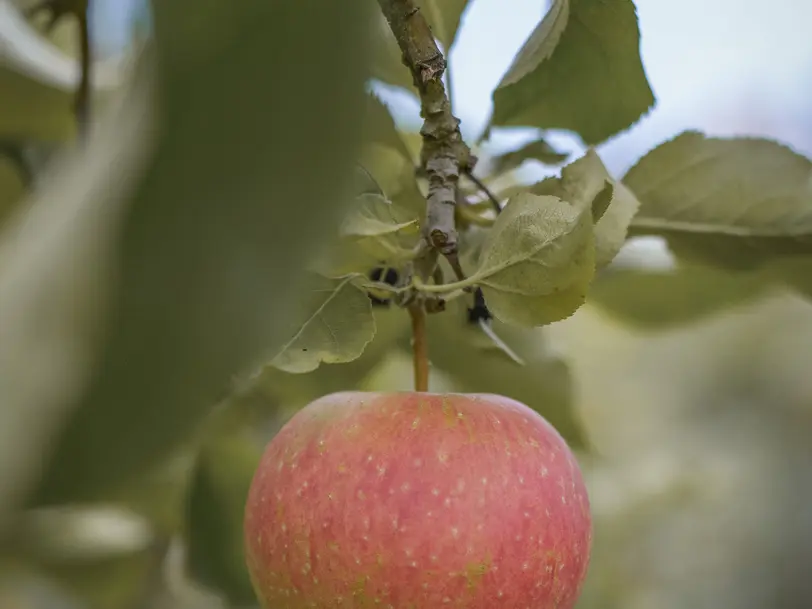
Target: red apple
417	500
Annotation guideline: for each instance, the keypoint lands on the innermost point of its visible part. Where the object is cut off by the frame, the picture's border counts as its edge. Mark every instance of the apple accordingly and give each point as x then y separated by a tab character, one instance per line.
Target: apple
417	500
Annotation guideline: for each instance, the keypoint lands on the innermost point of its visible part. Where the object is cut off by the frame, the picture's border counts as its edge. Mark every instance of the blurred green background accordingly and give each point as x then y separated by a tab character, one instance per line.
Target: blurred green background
142	280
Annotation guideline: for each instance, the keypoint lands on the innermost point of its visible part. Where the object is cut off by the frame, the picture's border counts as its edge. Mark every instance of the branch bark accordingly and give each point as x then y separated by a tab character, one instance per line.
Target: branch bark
444	155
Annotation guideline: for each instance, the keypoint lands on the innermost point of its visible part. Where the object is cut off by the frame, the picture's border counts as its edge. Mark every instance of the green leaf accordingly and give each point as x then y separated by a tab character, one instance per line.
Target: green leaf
297	390
544	382
102	557
661	300
537	150
537	261
380	127
734	203
586	182
375	216
214	514
167	258
444	18
37	83
579	70
336	325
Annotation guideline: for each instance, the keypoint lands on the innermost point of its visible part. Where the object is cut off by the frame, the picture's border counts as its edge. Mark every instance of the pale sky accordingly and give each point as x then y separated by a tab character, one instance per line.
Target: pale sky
727	67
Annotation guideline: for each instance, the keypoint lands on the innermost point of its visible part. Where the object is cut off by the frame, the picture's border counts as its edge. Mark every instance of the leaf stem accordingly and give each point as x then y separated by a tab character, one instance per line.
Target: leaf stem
481	185
420	351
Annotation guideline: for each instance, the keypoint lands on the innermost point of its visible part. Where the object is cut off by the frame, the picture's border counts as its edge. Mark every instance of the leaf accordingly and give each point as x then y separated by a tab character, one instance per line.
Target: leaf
380	127
544	382
37	83
444	18
297	390
586	182
102	557
336	326
661	300
538	150
167	258
537	261
214	514
734	203
579	70
374	216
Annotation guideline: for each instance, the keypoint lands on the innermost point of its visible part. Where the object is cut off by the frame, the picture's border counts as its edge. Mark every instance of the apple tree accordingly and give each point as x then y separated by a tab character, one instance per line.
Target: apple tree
209	238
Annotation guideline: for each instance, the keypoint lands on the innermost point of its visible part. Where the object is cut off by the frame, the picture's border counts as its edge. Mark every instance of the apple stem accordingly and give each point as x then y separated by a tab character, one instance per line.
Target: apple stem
420	348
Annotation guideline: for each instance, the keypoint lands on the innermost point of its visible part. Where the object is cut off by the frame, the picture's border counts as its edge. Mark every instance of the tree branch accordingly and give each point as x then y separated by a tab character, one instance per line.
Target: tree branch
444	154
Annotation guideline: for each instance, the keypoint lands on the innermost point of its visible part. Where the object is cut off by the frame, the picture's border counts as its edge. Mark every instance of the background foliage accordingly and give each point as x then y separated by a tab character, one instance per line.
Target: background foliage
175	289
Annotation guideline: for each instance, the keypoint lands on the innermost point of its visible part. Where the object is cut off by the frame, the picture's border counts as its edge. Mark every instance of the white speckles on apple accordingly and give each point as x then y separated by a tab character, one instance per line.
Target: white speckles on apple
424	585
357	561
447	502
563	500
381	469
446	599
369	458
395	522
527	514
315	580
521	479
435	491
330	496
361	495
442	456
408	552
413	564
544	471
279	466
484	481
284	528
500	594
480	526
547	513
418	462
405	487
455	532
525	566
518	538
460	485
433	558
366	522
429	514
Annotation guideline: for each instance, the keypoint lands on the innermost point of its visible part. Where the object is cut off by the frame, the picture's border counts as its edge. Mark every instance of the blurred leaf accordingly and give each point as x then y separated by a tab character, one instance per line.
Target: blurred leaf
586	182
544	383
444	17
374	215
207	245
579	70
37	82
660	300
106	558
214	516
12	186
113	583
335	326
537	261
538	150
727	202
380	128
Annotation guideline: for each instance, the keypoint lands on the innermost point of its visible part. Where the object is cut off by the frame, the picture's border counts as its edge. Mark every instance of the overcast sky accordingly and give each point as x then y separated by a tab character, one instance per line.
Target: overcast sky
727	67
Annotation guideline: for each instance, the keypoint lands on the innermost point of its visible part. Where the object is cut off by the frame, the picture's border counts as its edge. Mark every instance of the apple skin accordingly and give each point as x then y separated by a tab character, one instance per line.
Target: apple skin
417	501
